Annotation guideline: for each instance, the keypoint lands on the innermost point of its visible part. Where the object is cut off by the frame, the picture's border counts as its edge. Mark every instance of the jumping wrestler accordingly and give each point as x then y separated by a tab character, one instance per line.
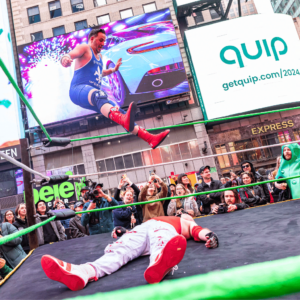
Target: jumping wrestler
163	238
86	92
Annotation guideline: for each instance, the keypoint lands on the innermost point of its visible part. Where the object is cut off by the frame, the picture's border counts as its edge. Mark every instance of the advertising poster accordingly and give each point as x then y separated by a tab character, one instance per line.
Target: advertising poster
152	66
245	64
9	101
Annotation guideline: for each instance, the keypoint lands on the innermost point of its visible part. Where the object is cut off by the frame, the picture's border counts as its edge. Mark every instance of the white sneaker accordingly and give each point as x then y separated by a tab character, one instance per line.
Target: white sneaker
75	277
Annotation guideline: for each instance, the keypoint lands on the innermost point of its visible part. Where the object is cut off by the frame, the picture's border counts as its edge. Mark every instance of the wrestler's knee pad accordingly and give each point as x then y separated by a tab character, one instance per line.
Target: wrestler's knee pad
99	98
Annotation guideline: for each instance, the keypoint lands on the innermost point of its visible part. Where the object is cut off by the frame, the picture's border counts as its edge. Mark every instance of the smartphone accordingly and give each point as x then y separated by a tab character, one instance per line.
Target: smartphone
151	172
123	176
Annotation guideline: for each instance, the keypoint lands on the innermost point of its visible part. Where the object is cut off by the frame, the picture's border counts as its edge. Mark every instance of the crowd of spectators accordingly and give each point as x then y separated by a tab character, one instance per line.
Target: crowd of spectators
90	223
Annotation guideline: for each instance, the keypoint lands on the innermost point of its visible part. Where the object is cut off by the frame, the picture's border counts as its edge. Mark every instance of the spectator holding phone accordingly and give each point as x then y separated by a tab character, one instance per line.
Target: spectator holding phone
230	202
125	216
253	195
148	193
183	205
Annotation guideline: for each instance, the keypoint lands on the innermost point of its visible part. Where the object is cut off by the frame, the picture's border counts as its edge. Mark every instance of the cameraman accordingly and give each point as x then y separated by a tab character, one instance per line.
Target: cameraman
100	221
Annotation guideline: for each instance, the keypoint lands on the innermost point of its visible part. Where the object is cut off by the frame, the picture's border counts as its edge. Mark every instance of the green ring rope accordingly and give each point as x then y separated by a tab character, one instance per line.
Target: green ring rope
10	237
256	281
10	78
188	124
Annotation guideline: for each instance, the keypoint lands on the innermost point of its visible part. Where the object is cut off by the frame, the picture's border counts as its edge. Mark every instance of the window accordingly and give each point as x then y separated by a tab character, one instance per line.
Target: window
59	30
103	19
175	152
119	163
251	8
55	9
110	165
214	14
198	17
224	161
185	150
37	36
296	134
127	13
77	5
245	10
149	7
233	156
156	156
194	147
147	158
128	161
137	158
166	154
33	14
250	155
81	25
8	186
271	139
99	2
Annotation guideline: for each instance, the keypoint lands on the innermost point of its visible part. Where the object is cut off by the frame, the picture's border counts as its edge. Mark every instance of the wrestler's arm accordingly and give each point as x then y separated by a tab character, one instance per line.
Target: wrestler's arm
77	52
111	70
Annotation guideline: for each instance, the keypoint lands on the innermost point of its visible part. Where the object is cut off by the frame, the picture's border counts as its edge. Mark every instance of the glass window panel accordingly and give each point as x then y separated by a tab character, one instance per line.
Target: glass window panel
99	2
226	158
128	161
59	31
110	165
166	154
80	25
287	136
185	151
137	158
220	158
37	36
250	155
126	13
149	7
271	139
34	19
214	14
175	152
147	158
77	5
119	163
103	19
296	134
8	186
54	5
233	156
32	11
194	147
156	156
80	169
102	168
198	17
74	2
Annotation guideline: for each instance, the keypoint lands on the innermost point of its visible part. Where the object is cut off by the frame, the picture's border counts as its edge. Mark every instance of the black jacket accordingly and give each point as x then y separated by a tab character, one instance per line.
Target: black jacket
238	205
213	198
253	200
258	178
122	216
139	212
77	230
20	224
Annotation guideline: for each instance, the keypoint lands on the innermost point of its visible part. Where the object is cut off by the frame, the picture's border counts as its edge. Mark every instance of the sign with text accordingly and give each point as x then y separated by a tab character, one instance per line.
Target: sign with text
272	127
13	151
245	64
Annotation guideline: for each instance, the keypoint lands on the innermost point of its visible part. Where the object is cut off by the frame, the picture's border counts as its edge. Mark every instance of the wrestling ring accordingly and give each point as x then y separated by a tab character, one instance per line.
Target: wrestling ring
258	256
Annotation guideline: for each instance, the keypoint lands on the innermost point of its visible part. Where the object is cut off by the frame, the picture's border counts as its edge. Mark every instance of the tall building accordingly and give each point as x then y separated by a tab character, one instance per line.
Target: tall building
35	20
248	8
291	8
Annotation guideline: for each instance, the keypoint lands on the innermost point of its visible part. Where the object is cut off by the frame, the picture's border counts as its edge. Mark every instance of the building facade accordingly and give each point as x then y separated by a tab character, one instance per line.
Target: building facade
291	7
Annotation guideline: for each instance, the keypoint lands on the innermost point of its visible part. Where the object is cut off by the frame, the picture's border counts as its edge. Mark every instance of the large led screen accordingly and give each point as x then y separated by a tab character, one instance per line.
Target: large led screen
10	118
245	64
152	66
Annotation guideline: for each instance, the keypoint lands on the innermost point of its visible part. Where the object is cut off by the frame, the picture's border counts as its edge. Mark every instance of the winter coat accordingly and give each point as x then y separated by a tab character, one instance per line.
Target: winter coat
155	209
253	200
283	195
12	251
139	211
289	168
188	204
65	223
258	178
100	221
122	216
239	206
76	228
22	224
209	199
56	225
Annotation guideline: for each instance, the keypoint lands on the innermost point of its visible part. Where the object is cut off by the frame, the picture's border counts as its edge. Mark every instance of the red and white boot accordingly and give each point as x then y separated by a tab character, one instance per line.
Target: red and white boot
127	120
154	140
169	257
75	277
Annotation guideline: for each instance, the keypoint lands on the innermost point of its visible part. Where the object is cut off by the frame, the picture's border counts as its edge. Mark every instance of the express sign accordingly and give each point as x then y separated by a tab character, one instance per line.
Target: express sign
245	64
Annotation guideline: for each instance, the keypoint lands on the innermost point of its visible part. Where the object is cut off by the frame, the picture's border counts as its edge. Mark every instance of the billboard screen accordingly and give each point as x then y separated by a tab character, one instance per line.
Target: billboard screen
152	66
10	117
245	64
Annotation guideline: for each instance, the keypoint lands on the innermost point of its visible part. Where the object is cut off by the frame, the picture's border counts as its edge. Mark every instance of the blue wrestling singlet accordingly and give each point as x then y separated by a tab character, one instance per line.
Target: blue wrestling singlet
84	80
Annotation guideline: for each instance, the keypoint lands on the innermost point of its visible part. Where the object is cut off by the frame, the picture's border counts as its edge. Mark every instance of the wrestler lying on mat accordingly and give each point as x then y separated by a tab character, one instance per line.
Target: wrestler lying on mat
163	238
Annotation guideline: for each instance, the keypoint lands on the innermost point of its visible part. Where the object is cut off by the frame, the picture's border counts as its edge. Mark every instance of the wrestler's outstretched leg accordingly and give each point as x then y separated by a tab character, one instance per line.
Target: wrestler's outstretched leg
125	119
167	249
76	277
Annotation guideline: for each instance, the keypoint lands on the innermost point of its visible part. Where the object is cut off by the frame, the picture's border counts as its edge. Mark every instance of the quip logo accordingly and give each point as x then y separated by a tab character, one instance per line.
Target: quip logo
275	41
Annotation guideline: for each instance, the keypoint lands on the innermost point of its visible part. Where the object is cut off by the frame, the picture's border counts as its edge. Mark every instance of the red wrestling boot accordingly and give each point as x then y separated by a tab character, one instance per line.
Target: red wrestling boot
127	121
154	140
75	277
169	257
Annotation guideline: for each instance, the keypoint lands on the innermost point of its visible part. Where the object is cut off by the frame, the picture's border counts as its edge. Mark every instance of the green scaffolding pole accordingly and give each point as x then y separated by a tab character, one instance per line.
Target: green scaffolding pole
188	124
10	78
257	281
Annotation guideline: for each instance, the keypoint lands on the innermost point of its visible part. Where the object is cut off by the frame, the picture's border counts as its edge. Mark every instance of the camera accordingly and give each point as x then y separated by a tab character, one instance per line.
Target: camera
92	193
155	180
221	208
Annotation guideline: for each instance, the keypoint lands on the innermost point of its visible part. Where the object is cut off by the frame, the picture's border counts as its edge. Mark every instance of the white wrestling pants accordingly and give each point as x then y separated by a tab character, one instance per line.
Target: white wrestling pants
148	238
